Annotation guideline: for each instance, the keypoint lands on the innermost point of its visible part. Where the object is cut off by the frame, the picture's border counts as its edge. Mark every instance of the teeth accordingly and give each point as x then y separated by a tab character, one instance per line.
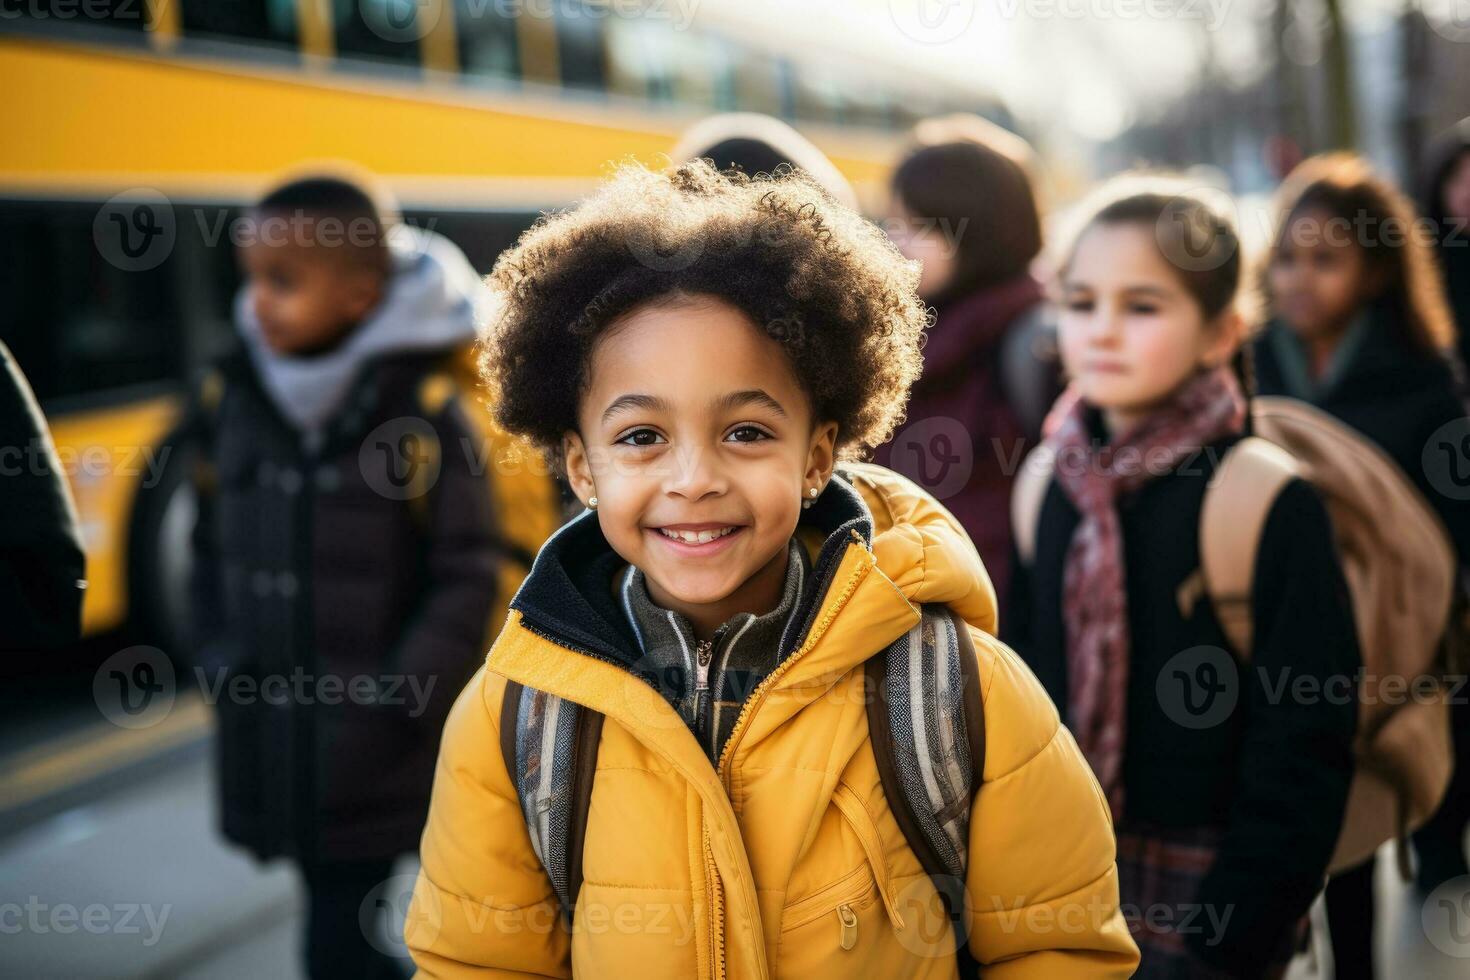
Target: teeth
696	537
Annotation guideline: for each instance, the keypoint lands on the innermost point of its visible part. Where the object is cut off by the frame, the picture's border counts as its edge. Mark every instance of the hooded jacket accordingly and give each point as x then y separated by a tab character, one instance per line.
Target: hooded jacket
432	301
351	562
783	859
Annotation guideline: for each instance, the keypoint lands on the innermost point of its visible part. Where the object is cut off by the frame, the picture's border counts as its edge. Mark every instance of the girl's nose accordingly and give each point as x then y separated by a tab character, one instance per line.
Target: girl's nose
695	472
1106	326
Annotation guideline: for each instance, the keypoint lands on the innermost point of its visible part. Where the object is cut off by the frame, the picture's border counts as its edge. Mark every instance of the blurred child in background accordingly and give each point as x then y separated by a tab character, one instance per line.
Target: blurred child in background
1234	819
963	204
1359	327
347	553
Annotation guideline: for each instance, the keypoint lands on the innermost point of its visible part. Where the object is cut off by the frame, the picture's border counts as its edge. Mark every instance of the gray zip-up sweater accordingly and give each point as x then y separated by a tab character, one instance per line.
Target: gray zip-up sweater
707	682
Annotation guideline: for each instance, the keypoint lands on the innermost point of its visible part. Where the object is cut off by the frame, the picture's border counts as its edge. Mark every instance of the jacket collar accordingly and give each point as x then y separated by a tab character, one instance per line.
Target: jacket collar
569	596
746	640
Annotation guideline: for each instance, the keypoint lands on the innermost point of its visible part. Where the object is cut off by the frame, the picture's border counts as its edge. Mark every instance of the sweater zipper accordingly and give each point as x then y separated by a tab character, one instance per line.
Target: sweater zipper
758	695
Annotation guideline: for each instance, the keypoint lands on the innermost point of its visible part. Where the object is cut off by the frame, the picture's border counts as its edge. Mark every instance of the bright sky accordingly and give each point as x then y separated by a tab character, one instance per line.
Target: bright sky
1091	66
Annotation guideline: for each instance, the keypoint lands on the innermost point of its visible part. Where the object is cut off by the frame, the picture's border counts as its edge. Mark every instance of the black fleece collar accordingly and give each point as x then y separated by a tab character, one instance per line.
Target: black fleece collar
568	595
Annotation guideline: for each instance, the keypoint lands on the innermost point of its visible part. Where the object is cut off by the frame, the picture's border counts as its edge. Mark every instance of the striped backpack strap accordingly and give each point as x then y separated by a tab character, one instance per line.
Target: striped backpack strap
550	748
926	721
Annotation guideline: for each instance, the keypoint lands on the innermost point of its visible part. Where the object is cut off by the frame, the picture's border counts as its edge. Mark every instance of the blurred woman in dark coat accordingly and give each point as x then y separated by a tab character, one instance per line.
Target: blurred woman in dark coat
963	204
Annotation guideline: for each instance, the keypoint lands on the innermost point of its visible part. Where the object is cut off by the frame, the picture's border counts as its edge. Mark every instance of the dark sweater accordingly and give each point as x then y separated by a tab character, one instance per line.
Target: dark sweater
1274	773
741	654
1396	396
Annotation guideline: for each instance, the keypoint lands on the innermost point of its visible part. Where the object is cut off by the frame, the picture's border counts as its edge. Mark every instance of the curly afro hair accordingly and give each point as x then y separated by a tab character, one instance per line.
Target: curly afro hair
816	277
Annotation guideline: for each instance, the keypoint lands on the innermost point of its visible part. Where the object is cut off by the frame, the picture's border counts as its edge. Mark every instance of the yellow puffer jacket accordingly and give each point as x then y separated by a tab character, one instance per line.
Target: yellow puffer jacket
786	860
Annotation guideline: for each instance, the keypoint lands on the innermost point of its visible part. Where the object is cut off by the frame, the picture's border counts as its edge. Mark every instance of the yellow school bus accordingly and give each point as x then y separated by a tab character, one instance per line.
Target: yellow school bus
136	129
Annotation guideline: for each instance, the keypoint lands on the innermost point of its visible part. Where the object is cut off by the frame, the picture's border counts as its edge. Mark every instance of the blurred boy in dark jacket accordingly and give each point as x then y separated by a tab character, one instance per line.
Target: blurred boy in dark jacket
348	558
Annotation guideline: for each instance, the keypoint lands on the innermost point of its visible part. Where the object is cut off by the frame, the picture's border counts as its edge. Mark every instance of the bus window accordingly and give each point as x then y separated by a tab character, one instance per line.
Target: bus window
380	30
757	80
579	44
486	40
76	323
639	60
255	21
701	71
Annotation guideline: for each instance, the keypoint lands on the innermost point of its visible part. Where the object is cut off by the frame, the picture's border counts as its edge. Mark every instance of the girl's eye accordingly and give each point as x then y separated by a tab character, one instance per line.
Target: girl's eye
751	432
640	437
1080	305
1143	309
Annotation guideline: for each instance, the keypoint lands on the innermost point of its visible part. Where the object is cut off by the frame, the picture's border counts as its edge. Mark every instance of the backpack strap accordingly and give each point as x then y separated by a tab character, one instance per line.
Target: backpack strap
1027	495
926	722
1237	503
540	734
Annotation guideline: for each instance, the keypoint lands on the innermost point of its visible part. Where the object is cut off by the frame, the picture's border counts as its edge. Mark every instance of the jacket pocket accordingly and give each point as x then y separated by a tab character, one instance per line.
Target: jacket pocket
845	904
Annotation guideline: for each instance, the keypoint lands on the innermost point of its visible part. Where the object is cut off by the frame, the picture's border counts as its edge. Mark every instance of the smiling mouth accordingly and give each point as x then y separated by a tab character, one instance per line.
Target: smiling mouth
700	536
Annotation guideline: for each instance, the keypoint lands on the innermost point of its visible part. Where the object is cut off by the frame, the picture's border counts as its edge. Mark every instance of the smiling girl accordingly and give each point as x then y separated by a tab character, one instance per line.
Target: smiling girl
1227	797
703	356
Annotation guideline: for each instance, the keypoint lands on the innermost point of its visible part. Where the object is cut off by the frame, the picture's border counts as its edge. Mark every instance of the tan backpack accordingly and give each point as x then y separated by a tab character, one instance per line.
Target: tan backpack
1399	566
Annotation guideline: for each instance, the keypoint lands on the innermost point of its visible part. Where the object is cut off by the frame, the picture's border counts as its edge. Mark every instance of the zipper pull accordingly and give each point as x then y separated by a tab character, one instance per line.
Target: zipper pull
703	654
847	919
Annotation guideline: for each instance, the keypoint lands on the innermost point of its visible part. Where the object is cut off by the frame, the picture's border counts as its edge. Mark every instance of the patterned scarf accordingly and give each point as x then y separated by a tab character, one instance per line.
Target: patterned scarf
1094	475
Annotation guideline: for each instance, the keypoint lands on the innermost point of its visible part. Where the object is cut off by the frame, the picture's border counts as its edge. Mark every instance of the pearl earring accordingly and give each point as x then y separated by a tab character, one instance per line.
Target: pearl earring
592	502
